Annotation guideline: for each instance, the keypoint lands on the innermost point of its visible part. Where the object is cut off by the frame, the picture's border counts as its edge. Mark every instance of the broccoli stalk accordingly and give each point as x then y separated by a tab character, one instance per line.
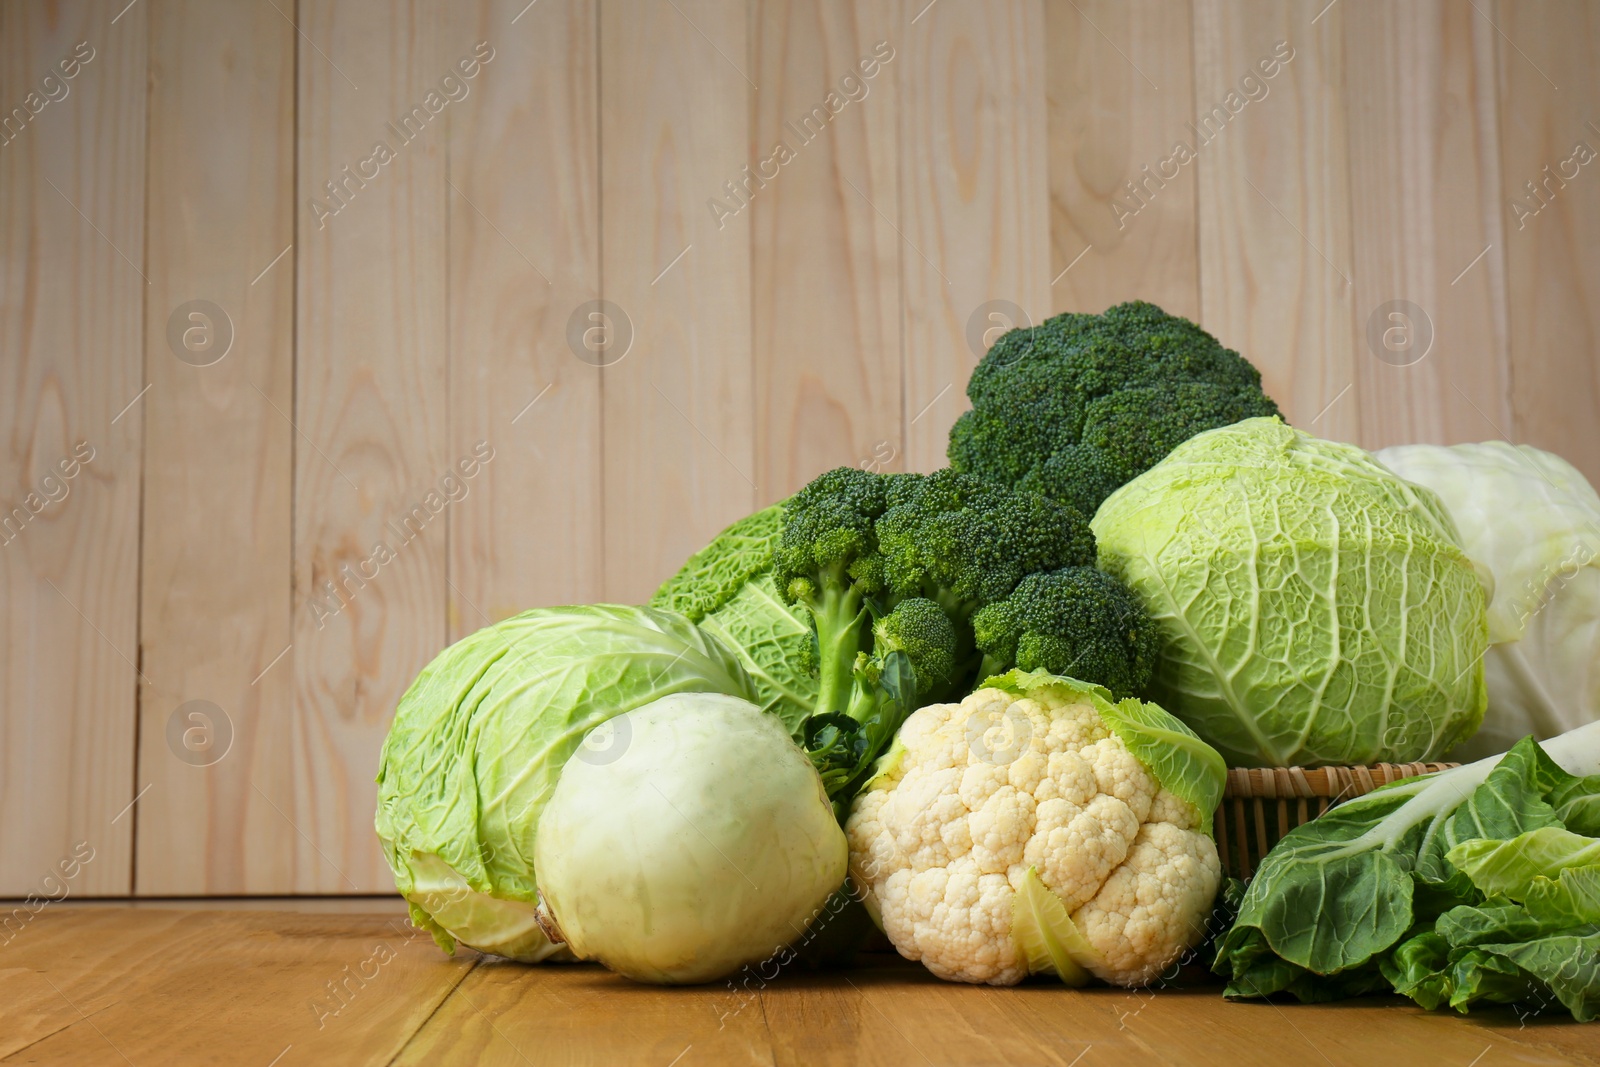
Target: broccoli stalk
838	610
881	652
827	562
911	660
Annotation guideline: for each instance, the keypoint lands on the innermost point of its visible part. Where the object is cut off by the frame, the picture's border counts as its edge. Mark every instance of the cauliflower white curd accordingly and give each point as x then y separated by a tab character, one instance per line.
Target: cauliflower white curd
1040	780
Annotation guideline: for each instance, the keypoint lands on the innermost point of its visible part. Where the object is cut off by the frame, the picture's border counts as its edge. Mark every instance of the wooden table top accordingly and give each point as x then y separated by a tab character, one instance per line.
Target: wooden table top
188	985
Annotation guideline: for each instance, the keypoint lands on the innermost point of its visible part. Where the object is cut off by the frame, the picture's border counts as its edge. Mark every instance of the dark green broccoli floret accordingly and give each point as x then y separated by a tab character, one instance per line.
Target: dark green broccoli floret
921	630
892	568
881	651
1076	621
965	542
1081	404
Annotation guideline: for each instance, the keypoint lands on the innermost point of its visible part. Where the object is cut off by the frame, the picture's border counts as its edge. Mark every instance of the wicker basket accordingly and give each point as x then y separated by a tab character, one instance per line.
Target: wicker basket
1261	804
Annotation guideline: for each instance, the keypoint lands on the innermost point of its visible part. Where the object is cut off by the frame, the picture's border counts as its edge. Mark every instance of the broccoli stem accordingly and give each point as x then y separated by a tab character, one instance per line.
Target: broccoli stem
840	614
864	701
991	666
952	605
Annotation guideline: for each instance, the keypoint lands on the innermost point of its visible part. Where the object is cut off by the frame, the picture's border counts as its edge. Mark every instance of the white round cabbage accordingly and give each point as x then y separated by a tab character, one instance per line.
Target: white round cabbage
701	842
1534	520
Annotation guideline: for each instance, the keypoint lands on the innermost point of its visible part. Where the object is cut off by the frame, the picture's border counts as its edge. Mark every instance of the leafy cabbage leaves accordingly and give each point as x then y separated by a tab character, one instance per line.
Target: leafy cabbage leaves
1453	888
728	589
1533	520
479	740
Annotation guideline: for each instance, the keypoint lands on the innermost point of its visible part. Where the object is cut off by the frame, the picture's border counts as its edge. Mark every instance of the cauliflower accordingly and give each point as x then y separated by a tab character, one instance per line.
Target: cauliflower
1036	826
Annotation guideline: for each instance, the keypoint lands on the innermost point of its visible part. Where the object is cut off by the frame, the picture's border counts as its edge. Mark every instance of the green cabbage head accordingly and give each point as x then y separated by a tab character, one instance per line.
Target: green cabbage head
1314	607
479	740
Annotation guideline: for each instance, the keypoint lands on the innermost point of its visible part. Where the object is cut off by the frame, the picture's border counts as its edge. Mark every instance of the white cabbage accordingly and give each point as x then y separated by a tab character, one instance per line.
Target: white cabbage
702	842
1534	521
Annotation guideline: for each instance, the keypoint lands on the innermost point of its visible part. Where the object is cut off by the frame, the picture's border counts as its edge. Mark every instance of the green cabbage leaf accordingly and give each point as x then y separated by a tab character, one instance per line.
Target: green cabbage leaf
1454	888
1314	608
727	588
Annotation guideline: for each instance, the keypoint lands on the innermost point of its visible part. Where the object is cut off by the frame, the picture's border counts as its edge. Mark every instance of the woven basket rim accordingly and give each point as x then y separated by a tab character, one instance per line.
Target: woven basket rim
1285	782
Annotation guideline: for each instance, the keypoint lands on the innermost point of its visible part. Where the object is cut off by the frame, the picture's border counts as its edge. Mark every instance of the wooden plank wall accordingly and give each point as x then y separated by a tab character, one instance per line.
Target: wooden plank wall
219	448
641	266
73	286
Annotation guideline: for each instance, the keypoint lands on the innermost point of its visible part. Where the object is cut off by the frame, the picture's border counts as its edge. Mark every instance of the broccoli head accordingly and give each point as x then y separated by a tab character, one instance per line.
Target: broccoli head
882	649
827	562
893	569
921	630
829	534
1080	404
964	542
1078	622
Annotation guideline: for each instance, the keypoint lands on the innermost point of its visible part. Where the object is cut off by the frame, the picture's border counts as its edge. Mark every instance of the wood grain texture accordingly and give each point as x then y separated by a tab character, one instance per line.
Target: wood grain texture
72	296
527	531
104	985
581	1015
679	431
1121	92
1252	1032
1549	103
349	904
370	412
892	1011
215	611
1424	191
187	987
1275	232
825	257
974	197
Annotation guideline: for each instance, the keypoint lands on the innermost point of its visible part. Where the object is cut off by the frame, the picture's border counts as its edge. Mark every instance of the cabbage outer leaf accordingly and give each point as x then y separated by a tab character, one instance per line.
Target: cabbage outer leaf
480	738
1314	608
771	640
728	589
1533	520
